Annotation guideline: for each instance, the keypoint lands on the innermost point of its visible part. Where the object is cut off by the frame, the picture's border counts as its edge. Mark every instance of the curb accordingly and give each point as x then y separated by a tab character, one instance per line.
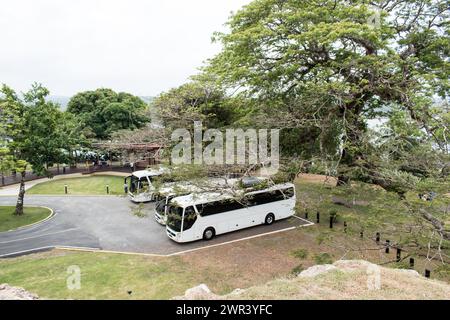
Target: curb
50	216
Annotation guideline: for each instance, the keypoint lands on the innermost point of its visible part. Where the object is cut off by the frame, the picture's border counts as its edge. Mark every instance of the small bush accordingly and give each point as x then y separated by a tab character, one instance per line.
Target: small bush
333	214
300	253
401	265
323	258
139	211
296	271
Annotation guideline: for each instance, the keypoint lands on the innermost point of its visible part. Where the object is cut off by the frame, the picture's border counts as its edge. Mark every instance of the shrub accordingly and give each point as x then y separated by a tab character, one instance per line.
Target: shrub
296	270
300	253
323	258
139	211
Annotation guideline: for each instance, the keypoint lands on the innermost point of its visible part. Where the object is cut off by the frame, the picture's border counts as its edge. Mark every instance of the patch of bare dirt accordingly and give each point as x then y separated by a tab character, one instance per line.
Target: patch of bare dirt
317	178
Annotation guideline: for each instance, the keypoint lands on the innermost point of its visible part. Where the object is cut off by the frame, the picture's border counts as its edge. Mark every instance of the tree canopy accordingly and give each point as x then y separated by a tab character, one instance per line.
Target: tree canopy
198	100
332	65
36	133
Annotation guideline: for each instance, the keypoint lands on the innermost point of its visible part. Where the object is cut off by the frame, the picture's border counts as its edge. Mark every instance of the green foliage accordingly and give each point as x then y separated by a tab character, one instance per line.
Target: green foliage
6	161
138	211
324	68
323	258
9	221
333	214
300	253
297	270
196	101
38	133
104	111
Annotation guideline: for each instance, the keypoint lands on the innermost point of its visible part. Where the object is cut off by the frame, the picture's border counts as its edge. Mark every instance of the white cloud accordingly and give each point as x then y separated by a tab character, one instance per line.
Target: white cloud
139	46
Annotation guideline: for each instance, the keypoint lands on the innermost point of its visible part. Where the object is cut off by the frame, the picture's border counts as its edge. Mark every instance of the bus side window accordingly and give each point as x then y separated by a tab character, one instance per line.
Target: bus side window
190	216
288	193
199	208
268	197
264	197
219	207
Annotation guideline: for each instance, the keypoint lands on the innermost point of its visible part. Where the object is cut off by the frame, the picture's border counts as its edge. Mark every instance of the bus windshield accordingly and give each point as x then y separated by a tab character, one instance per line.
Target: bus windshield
161	206
134	181
175	218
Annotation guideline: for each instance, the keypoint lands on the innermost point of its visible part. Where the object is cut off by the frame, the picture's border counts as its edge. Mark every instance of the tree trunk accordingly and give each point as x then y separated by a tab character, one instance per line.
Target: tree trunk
437	224
19	205
353	149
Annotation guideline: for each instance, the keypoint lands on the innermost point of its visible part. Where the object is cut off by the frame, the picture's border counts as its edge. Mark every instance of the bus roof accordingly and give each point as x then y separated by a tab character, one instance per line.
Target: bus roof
149	173
207	185
200	198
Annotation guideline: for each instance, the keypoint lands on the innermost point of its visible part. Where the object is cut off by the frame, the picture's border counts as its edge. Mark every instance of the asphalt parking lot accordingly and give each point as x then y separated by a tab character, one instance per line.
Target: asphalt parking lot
107	223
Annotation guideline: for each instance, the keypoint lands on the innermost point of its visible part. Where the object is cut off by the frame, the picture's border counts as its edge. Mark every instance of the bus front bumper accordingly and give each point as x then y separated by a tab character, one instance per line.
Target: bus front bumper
175	236
141	198
160	219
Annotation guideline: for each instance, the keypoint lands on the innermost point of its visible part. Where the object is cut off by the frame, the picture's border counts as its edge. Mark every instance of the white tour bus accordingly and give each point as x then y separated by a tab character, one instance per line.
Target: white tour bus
139	184
202	216
166	193
171	190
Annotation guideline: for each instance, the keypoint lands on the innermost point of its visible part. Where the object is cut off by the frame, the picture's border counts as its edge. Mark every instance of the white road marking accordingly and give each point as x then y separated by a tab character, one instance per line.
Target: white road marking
309	223
190	250
25	251
87	249
39	236
231	241
42	249
95	250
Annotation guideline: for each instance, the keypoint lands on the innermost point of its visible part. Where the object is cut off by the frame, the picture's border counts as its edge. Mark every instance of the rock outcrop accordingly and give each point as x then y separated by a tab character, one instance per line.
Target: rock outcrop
344	279
15	293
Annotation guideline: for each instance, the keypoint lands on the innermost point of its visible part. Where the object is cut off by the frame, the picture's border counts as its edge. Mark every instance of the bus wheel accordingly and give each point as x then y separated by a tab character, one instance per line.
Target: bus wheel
270	218
209	233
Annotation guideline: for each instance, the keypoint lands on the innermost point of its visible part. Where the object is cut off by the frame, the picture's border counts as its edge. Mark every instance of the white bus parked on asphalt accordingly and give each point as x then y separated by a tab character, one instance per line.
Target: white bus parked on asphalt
203	216
166	193
176	189
139	185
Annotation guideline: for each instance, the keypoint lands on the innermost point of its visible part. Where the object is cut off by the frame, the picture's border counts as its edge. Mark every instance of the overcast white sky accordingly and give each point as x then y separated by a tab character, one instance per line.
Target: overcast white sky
139	46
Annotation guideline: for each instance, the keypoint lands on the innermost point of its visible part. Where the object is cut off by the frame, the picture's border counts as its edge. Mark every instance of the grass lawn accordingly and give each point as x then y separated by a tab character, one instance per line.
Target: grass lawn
8	221
94	185
103	276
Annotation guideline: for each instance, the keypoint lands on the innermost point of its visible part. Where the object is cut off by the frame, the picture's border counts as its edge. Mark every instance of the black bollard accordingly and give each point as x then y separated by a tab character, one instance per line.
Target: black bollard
331	222
387	245
345	226
318	217
411	263
65	189
377	237
64	170
399	254
427	273
361	234
107	189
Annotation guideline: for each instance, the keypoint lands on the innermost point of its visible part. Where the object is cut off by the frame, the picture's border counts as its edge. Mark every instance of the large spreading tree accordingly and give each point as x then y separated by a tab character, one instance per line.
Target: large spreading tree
104	111
198	100
331	65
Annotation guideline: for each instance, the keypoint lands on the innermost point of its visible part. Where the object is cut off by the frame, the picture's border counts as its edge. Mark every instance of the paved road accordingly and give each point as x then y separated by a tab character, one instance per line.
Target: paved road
104	222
